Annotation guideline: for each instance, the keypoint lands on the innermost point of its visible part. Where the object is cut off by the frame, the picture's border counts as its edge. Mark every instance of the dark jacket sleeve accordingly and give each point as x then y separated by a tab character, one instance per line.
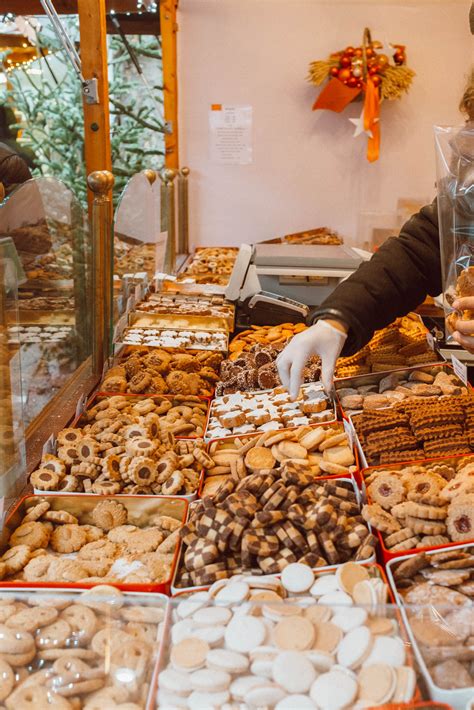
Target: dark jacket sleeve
395	281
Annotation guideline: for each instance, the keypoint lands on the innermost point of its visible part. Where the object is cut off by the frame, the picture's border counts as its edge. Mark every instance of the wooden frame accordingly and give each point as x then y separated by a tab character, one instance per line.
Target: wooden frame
169	29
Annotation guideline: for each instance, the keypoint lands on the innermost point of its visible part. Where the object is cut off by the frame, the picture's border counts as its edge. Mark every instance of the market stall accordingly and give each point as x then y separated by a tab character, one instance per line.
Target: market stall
177	530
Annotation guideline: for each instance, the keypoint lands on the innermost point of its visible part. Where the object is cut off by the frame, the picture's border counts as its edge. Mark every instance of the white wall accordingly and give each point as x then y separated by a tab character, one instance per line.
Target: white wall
308	170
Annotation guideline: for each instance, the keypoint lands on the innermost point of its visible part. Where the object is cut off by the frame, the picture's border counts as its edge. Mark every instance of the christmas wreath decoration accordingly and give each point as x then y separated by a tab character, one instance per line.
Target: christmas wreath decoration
374	71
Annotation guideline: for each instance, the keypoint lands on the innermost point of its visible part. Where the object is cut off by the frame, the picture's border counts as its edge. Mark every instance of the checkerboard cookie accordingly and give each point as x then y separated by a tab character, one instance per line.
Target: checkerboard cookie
270	519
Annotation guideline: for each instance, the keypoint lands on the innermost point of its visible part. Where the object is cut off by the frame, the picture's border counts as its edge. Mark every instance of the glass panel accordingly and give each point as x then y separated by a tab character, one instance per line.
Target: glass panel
136	238
49	229
12	445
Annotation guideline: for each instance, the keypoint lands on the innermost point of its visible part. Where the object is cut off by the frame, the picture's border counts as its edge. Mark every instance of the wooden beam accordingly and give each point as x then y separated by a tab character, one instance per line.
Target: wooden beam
169	29
94	65
63	7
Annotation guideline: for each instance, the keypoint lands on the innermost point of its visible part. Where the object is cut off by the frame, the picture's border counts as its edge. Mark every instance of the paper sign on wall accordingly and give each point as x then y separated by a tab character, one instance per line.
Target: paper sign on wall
230	134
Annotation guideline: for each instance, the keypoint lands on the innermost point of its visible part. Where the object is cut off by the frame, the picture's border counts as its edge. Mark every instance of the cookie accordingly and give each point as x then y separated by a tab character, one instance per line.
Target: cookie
109	514
68	538
380	519
32	534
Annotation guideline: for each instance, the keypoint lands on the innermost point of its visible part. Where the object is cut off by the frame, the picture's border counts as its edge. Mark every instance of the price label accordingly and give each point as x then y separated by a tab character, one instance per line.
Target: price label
349	432
49	446
460	369
81	405
430	340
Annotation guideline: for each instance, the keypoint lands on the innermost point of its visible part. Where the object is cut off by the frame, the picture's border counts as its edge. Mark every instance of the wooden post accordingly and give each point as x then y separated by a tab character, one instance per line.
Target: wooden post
169	29
92	26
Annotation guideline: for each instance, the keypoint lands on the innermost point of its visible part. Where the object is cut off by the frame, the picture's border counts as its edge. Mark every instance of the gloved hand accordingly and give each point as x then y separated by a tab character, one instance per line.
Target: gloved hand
321	339
464	328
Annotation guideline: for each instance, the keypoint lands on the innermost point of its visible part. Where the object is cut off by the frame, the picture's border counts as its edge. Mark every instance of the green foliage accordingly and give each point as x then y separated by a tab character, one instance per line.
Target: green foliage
51	104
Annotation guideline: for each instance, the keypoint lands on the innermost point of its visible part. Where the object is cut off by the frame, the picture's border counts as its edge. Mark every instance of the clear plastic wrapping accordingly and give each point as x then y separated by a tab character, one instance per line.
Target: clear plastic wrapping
455	180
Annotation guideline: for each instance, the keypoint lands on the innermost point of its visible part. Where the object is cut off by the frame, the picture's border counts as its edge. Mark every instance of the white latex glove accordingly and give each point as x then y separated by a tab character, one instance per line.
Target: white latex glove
320	339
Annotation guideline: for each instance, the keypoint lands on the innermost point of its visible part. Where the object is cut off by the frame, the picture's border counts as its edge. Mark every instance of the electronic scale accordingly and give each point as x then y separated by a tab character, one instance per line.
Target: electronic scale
277	283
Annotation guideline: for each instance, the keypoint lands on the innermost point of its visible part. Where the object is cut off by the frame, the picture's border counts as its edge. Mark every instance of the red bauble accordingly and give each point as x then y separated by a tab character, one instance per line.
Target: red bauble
358	52
349	51
352	82
398	58
334	71
344	74
359	85
369	52
376	80
345	61
373	70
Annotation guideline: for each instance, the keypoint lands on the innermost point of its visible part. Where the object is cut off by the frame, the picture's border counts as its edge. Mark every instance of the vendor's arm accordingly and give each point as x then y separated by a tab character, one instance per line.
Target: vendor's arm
396	280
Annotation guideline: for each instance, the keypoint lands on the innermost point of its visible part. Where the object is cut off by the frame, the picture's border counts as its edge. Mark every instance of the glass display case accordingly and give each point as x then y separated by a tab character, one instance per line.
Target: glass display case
12	441
49	230
51	325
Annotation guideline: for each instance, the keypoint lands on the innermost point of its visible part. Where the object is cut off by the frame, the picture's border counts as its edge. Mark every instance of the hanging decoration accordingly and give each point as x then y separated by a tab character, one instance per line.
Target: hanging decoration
372	72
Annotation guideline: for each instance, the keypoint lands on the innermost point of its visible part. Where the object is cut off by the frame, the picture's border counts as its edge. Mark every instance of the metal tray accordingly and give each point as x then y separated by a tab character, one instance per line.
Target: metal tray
177	321
371	560
459	698
373	378
139	508
195	346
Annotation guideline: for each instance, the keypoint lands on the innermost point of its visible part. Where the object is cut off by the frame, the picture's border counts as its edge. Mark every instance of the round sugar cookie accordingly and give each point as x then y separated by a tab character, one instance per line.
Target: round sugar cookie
230	661
349	618
291	702
336	599
241	686
262	667
377	683
244	633
297	578
233	593
189	654
390	648
335	690
293	672
324	585
321	660
171	700
355	647
318	614
406	684
328	637
294	634
208	616
192	604
264	696
349	574
213	635
210	681
198	700
175	682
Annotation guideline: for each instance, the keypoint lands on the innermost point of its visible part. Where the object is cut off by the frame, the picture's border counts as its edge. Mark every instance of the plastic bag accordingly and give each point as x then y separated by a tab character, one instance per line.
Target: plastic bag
455	180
